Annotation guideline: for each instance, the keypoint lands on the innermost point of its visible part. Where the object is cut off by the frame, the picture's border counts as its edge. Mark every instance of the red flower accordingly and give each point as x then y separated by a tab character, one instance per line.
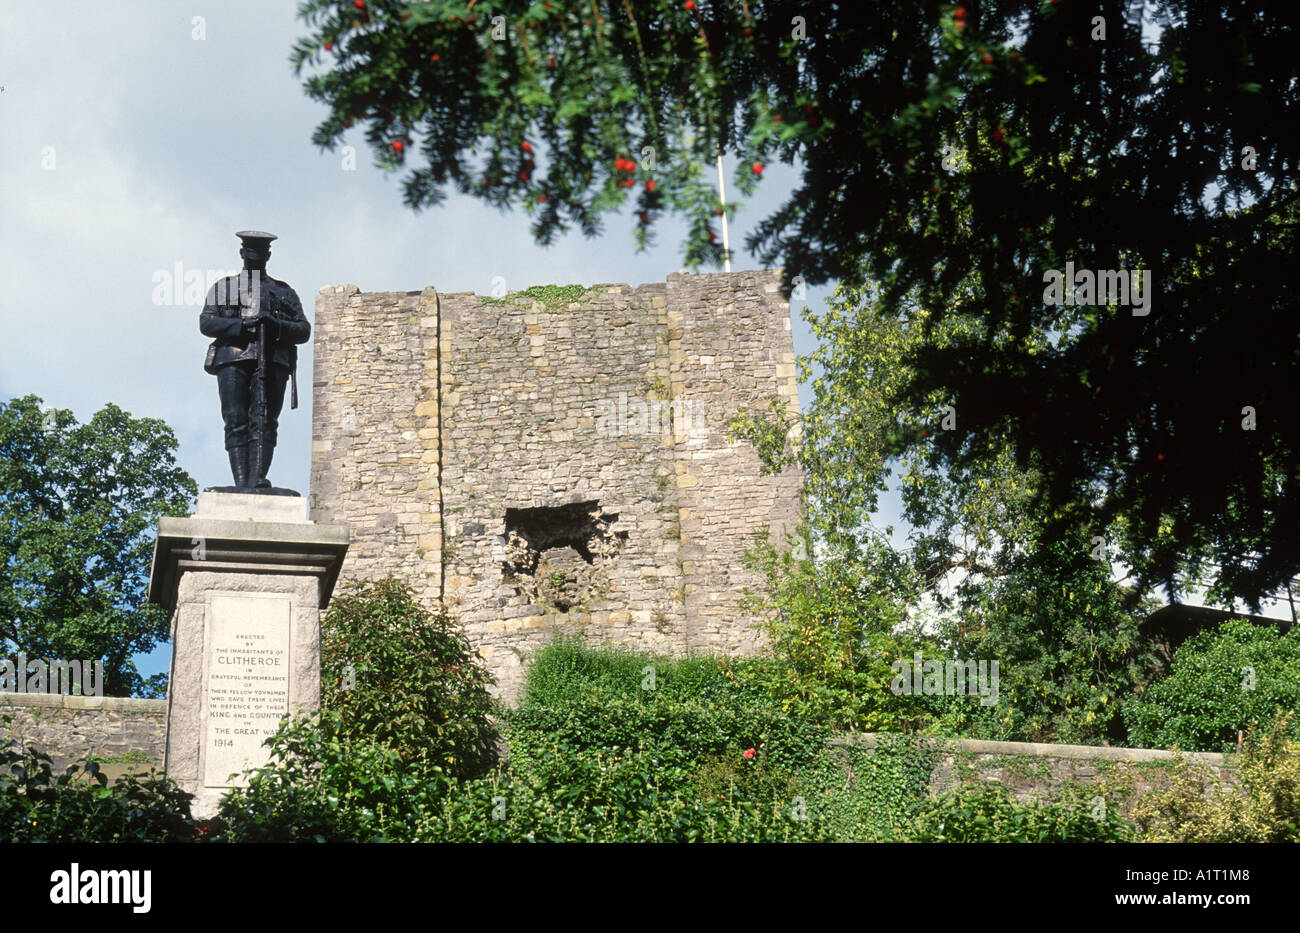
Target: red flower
748	753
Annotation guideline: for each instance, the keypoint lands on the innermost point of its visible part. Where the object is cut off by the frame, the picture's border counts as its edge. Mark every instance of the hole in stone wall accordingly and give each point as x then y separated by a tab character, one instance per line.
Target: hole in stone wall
555	555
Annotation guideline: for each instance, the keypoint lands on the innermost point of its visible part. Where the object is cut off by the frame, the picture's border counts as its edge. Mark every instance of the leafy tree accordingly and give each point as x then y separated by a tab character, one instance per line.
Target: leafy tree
1220	682
953	154
78	505
834	627
1068	646
406	678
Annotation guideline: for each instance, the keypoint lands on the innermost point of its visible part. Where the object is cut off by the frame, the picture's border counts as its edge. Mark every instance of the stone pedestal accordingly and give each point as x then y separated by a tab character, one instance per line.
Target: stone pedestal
246	579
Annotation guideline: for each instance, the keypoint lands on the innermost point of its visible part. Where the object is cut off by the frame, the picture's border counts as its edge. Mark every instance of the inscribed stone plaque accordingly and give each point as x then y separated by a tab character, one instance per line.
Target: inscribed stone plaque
247	682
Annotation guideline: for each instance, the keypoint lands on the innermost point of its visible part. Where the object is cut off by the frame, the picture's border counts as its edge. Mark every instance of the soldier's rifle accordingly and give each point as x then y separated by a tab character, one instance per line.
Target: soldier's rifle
256	307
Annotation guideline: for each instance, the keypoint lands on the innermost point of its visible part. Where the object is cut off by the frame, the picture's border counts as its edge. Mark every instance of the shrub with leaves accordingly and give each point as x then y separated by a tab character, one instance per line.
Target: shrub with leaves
79	805
1220	682
406	677
988	813
1195	807
832	629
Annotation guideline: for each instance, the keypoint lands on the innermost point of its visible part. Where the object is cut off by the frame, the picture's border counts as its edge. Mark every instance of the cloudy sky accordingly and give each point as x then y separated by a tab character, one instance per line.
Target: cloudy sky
131	146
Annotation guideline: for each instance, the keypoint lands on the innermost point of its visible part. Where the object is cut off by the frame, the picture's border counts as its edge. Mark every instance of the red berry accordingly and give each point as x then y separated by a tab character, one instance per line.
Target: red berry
650	185
959	13
434	57
629	182
987	59
960	25
329	46
527	146
935	189
398	145
1160	456
542	198
690	4
523	176
925	433
359	4
757	168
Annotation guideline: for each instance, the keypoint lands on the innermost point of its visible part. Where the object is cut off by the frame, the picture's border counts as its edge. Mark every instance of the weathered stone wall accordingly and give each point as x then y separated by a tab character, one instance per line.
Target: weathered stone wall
557	467
72	728
1037	771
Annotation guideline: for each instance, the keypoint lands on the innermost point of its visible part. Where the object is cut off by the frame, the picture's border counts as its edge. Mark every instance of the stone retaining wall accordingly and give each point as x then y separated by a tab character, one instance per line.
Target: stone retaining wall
1032	771
72	728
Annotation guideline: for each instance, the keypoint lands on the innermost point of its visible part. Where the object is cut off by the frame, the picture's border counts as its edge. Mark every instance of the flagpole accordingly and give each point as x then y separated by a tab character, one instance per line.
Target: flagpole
722	195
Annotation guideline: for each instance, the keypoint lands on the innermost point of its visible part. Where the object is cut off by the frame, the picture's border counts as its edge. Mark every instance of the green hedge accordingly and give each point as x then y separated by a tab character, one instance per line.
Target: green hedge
1208	696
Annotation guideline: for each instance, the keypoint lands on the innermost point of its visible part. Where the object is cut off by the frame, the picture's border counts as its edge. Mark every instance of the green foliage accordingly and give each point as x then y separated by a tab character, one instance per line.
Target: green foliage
325	782
1067	642
768	435
1209	695
988	813
868	795
78	507
832	627
80	806
406	678
1264	808
551	297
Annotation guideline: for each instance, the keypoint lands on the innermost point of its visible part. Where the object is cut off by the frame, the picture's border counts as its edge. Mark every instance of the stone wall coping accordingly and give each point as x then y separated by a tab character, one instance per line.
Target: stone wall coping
1045	750
63	701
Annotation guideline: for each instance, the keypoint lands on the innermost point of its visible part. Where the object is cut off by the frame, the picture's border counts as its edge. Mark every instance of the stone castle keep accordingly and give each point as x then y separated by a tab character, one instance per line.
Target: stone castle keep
541	467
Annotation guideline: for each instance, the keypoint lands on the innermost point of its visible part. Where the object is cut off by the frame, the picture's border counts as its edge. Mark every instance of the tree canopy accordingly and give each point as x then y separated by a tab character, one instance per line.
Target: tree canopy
78	503
954	157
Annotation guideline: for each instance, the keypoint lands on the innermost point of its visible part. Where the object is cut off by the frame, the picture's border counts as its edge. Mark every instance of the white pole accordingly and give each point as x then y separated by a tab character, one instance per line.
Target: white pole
722	195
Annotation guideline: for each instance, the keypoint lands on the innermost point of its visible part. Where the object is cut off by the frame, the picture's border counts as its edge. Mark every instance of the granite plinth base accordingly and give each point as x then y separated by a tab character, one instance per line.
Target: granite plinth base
246	579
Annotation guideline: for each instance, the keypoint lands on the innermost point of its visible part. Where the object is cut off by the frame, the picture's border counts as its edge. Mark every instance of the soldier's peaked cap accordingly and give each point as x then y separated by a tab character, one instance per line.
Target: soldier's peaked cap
256	239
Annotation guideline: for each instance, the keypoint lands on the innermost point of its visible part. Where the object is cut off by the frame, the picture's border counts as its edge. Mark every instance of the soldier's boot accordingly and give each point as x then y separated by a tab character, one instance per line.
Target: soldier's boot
239	466
267	450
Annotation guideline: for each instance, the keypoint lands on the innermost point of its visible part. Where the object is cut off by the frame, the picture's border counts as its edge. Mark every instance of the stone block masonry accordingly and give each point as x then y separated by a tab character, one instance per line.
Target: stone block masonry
517	460
71	729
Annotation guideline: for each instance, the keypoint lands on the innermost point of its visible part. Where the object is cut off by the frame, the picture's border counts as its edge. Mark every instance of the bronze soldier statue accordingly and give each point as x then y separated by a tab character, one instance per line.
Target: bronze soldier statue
256	322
